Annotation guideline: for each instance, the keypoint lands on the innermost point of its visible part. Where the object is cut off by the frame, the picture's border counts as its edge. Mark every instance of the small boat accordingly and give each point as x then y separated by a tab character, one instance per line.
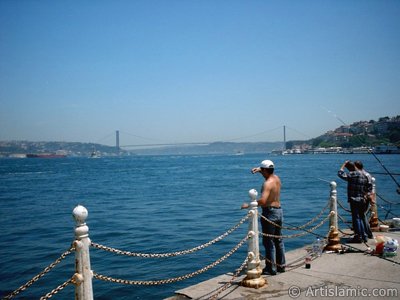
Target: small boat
95	154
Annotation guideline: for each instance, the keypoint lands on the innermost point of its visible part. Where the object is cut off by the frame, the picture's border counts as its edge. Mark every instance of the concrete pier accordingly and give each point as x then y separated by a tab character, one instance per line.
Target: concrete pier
353	274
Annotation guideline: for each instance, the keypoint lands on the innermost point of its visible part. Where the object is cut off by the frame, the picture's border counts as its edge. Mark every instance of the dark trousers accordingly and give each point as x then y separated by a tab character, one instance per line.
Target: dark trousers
358	219
274	247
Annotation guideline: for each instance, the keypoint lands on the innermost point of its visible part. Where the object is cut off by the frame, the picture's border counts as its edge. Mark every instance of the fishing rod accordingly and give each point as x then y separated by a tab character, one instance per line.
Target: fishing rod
390	174
387	201
369	151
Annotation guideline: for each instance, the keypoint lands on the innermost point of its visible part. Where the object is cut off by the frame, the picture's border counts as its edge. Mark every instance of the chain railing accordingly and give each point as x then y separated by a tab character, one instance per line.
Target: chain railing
172	254
82	231
344	222
214	294
175	279
40	275
82	279
311	221
298	227
57	289
343	207
306	231
298	262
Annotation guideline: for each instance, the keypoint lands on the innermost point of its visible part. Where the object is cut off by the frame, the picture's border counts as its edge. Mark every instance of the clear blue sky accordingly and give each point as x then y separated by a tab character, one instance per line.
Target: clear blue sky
190	71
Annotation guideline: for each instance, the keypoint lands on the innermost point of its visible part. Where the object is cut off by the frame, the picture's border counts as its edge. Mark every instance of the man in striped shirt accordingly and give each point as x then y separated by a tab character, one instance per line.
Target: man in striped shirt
368	197
357	188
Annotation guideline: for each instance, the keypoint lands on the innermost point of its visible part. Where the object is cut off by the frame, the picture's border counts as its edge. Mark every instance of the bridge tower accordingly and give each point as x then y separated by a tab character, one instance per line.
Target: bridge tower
284	138
117	140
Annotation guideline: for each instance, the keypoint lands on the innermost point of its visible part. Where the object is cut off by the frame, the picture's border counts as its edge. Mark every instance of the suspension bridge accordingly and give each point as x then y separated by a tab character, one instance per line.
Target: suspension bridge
156	143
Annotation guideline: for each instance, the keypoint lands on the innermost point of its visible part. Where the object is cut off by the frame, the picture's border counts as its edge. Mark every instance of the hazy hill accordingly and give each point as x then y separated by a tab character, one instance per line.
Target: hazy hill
385	130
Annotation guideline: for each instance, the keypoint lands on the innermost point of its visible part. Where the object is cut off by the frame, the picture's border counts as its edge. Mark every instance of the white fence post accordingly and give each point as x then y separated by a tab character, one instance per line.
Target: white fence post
333	220
83	275
253	278
333	235
374	221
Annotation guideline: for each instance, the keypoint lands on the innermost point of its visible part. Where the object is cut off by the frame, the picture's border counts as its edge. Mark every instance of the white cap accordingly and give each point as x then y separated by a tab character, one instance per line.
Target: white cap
267	164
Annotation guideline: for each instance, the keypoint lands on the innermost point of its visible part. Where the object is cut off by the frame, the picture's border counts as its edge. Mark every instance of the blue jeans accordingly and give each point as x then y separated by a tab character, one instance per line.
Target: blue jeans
274	248
358	219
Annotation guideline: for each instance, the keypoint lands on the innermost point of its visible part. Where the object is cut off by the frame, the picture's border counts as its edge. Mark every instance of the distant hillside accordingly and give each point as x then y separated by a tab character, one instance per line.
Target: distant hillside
362	133
70	148
85	149
385	130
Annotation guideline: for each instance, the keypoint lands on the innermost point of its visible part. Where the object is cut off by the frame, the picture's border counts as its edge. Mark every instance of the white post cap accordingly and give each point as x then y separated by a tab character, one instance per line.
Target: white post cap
80	214
253	194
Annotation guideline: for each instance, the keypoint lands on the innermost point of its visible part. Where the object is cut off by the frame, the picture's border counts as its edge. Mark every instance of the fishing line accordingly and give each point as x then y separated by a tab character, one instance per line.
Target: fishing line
388	211
369	151
324	180
381	173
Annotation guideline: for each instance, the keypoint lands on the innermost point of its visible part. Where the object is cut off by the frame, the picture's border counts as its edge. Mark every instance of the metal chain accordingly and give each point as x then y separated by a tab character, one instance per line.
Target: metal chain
312	220
344	221
41	274
163	255
344	233
383	222
289	266
342	206
297	227
57	289
228	284
298	234
273	263
175	279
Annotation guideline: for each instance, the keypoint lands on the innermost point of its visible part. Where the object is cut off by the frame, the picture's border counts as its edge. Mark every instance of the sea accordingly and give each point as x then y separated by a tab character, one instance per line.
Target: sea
157	204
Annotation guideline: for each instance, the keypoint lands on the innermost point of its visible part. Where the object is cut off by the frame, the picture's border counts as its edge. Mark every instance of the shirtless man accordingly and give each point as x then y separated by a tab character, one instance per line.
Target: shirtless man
271	209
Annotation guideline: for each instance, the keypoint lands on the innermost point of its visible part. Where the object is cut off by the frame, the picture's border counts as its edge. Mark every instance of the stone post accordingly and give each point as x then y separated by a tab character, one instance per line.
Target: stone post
83	272
373	221
253	278
333	235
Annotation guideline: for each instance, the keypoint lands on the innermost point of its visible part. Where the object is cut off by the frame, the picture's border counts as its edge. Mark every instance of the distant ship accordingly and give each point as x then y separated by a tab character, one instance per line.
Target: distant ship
45	155
95	154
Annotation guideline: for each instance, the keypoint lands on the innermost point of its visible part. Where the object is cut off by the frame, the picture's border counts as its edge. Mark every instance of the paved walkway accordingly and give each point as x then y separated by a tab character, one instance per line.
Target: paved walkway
335	276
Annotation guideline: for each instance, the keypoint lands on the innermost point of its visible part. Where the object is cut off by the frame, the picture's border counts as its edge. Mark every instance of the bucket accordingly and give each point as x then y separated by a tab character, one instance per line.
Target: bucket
384	228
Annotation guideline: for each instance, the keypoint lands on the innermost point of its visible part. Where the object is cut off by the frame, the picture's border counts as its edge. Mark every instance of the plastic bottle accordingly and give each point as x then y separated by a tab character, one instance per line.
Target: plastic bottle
320	247
317	247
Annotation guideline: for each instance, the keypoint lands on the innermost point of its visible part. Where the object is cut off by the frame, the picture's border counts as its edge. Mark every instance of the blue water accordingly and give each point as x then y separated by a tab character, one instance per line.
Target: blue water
152	204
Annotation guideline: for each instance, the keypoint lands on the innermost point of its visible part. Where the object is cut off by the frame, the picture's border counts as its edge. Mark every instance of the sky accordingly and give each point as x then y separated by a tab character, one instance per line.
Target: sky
179	71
